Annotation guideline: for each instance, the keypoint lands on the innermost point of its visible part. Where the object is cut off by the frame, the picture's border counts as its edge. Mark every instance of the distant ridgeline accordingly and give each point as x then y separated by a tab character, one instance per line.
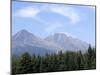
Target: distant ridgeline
24	41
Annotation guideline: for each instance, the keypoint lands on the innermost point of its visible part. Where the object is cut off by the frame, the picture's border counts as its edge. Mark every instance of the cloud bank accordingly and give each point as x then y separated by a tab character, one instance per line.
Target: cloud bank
33	11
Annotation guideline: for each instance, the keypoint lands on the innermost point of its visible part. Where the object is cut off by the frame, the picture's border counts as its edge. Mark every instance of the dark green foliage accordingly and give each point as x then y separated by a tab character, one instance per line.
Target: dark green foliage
67	61
91	57
23	65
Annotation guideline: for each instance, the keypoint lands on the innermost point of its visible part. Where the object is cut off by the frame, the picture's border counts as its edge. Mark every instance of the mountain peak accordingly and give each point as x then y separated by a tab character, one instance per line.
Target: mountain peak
60	33
23	34
24	37
23	31
59	36
58	41
65	34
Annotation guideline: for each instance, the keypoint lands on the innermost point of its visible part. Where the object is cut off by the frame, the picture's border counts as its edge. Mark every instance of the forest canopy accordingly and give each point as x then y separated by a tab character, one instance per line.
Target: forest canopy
67	61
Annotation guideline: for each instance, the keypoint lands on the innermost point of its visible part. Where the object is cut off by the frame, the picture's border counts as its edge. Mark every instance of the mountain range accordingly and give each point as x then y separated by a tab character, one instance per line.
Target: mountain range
24	41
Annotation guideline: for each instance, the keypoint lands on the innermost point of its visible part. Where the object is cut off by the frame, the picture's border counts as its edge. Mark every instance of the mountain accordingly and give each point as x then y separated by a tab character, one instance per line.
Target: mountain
24	41
67	42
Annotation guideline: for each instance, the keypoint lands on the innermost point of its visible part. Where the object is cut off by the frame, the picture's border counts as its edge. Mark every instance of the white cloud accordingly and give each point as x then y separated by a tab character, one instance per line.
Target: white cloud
66	11
29	12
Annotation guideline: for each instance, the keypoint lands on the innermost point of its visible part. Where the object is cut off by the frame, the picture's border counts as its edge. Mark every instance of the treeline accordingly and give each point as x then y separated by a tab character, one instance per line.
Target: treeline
67	61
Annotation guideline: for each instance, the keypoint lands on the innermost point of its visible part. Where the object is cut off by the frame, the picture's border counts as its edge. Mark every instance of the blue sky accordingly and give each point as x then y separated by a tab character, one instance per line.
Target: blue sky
43	19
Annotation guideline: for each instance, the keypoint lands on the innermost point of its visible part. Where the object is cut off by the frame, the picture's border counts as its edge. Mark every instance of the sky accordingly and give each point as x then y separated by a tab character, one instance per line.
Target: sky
44	19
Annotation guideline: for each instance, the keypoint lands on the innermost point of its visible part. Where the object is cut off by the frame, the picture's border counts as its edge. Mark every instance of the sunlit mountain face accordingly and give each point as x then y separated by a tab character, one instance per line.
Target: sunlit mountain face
24	41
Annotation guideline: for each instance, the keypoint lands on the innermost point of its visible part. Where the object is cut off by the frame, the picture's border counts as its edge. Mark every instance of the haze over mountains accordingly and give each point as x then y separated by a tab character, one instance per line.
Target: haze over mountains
24	41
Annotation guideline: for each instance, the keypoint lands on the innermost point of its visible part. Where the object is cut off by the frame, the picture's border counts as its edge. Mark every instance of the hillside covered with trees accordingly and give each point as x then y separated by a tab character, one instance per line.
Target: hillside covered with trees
67	61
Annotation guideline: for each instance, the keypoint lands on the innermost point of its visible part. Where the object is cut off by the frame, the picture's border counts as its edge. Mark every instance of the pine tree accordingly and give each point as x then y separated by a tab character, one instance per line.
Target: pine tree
90	57
63	61
25	65
80	61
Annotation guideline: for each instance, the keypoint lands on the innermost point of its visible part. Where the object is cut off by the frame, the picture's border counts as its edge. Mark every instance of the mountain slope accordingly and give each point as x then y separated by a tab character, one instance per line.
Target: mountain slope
24	41
67	42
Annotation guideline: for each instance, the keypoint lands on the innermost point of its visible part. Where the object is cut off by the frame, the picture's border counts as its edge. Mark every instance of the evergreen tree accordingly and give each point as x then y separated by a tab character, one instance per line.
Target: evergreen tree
80	61
62	61
90	55
25	65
